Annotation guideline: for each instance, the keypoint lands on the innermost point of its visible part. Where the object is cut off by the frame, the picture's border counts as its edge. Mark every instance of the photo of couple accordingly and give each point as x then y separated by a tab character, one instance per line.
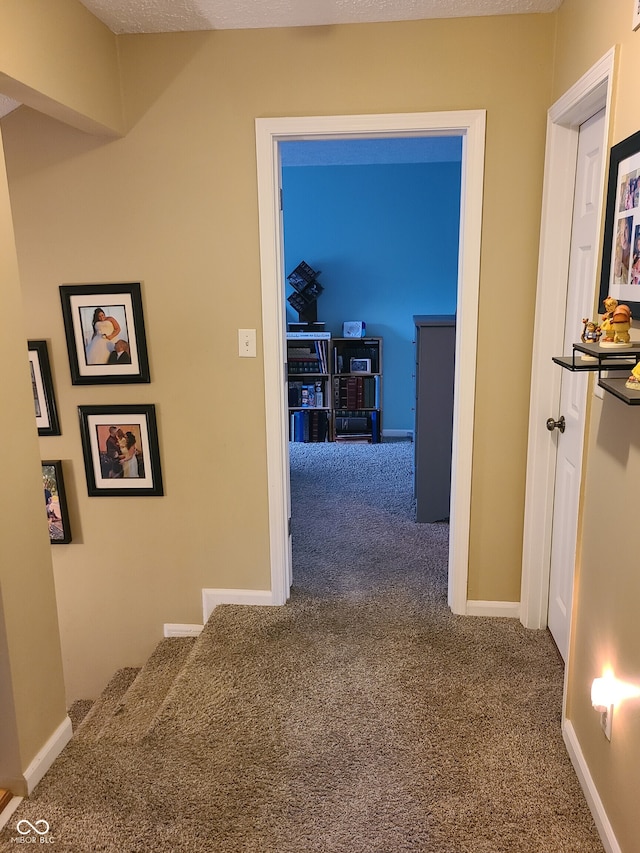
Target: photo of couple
105	335
120	453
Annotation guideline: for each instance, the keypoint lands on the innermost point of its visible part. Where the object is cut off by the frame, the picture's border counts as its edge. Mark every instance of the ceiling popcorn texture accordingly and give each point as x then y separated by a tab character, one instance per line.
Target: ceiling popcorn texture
163	16
169	16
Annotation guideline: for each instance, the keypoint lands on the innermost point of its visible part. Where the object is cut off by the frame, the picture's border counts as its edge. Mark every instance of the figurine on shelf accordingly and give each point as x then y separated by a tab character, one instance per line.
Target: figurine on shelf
616	324
610	304
591	332
621	323
633	382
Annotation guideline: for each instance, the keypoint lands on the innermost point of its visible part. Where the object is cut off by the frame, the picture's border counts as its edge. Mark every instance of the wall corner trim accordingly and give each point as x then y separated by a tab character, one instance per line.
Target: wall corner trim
211	598
588	786
48	754
508	609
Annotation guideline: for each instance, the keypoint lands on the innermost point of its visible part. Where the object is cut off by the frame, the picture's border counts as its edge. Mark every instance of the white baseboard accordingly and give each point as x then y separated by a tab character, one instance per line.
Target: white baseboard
9	810
211	598
176	630
398	433
590	791
48	754
508	609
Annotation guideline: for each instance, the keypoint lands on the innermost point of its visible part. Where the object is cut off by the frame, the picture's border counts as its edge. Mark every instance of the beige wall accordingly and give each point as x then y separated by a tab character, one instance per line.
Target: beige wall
173	204
605	630
59	59
31	681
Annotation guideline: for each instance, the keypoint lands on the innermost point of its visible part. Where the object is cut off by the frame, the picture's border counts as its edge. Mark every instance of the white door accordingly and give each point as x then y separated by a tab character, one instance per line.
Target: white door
582	275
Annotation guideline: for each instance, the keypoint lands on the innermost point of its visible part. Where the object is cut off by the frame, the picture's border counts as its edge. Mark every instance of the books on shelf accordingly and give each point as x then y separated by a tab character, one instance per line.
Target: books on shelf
356	392
328	401
308	357
353	424
310	426
308	336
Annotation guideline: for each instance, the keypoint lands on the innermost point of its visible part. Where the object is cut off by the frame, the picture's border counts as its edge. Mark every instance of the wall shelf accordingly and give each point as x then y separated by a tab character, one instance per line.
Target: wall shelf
605	358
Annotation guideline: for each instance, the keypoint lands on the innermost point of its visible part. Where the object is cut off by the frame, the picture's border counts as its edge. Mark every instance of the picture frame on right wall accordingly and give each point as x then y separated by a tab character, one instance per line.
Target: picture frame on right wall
636	14
620	272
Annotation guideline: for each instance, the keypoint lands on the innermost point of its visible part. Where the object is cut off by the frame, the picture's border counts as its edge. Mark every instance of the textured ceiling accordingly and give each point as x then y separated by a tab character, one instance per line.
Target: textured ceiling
166	16
161	16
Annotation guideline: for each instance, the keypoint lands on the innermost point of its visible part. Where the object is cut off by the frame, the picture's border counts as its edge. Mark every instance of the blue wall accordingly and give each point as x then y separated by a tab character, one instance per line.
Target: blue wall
385	238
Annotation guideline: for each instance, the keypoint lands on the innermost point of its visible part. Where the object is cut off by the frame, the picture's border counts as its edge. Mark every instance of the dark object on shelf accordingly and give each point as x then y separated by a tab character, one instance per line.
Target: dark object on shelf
305	327
435	368
307	290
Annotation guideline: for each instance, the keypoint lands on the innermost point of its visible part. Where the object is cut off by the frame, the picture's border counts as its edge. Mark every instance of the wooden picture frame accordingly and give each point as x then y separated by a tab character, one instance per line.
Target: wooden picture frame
44	398
56	502
121	450
636	15
620	272
104	327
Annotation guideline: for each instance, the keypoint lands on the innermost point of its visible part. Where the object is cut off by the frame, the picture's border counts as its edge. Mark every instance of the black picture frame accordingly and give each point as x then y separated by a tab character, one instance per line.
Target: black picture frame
107	473
90	351
56	502
622	212
44	398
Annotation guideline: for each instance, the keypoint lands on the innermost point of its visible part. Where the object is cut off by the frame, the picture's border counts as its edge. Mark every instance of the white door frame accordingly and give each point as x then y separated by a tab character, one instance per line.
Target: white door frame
590	94
470	125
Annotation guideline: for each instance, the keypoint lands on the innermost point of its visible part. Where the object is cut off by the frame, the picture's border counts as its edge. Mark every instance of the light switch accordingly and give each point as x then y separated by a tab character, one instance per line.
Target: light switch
247	343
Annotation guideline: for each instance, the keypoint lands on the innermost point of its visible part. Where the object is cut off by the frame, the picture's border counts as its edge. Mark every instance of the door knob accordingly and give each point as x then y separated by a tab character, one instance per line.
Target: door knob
551	424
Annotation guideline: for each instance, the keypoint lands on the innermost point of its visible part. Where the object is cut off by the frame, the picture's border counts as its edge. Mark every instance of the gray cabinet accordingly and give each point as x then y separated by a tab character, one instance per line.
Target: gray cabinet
435	364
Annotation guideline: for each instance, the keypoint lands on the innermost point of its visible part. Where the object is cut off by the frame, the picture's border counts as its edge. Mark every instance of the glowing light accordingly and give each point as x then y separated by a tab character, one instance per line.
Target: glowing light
609	690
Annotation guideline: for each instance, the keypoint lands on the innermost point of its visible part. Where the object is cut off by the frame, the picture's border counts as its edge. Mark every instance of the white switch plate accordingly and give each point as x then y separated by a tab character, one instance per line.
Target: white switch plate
247	343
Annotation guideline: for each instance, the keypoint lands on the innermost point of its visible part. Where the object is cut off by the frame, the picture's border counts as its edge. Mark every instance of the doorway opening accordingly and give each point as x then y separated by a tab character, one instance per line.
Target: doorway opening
376	223
470	126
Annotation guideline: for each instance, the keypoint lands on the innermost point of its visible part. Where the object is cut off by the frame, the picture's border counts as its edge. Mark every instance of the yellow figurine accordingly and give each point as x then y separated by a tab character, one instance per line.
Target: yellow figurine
610	304
633	382
621	323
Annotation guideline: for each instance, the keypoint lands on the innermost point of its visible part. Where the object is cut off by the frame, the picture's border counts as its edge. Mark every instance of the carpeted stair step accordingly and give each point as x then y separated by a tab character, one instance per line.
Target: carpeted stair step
136	710
78	711
104	706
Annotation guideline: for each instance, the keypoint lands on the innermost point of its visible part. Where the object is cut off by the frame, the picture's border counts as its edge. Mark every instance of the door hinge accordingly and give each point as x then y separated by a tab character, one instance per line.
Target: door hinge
289	526
281	202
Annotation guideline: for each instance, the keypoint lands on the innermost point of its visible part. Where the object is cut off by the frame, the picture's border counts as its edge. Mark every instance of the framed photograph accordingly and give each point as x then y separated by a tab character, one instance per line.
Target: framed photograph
56	503
44	399
104	326
360	365
620	274
121	451
636	14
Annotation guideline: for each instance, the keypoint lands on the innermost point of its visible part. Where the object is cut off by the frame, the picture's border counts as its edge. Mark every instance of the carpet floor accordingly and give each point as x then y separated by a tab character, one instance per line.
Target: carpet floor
362	717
